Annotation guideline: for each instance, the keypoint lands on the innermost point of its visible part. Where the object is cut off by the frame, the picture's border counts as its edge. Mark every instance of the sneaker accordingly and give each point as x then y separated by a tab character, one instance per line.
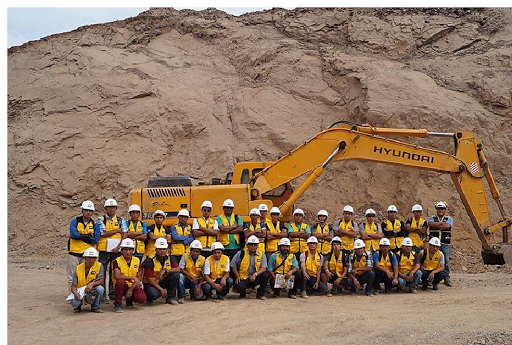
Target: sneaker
304	294
447	282
118	308
261	297
292	296
413	291
375	291
369	294
328	294
435	287
181	300
171	301
77	310
105	300
97	310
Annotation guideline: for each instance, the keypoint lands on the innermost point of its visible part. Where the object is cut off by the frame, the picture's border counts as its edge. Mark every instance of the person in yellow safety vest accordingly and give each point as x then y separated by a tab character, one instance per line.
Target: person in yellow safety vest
385	266
276	230
394	229
161	275
181	235
346	229
440	226
256	228
298	233
417	228
311	267
249	266
432	262
360	268
192	274
335	267
284	263
156	231
112	228
216	273
231	229
263	208
323	232
137	231
127	277
89	275
409	272
371	232
83	233
206	229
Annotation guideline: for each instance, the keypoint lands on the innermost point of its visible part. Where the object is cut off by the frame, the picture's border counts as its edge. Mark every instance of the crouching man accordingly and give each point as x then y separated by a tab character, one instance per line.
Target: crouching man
91	275
284	263
216	273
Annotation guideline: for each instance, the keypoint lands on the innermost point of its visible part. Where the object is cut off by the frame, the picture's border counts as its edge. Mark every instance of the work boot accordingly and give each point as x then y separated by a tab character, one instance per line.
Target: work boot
447	282
97	310
435	287
118	308
413	291
77	309
292	296
181	300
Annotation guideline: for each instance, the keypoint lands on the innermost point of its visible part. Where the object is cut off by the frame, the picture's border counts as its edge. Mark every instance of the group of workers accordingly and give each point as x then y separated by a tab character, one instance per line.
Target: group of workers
214	254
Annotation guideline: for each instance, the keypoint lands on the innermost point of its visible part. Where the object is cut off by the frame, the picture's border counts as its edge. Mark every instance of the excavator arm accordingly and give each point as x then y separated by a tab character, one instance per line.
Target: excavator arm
467	167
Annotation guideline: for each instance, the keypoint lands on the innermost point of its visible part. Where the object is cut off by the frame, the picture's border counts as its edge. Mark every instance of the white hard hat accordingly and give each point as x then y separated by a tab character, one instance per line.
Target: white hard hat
110	202
275	210
370	211
253	240
159	212
87	205
417	207
133	207
407	242
255	211
312	239
392	208
90	253
435	241
127	243
441	204
183	212
217	245
336	239
263	207
228	203
359	244
348	208
161	243
322	213
298	211
384	242
284	241
196	244
206	203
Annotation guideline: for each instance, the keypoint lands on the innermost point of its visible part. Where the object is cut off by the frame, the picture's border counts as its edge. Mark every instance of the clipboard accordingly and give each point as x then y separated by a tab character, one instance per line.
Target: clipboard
112	243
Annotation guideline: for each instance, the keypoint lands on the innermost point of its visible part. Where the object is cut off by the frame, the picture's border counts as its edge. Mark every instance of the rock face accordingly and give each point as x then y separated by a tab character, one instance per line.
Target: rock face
95	112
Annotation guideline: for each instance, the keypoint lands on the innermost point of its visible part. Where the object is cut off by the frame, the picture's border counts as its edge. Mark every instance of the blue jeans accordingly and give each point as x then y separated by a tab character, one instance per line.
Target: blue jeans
185	283
412	284
445	248
207	288
99	291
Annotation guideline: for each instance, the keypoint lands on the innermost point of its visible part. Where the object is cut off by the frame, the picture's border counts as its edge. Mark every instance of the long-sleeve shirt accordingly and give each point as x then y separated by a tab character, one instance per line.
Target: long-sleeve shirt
185	239
73	231
122	223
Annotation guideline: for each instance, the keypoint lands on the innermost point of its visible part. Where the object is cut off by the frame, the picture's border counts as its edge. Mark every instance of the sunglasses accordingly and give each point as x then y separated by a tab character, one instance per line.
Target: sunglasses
253	244
207	209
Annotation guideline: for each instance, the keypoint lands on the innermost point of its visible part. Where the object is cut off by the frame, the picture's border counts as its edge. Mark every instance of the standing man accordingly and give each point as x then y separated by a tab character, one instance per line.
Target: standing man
360	268
206	229
371	232
298	232
90	274
322	231
231	227
441	227
394	229
275	232
181	235
161	275
311	266
256	228
83	233
127	277
346	229
336	267
409	272
216	273
156	231
192	273
137	231
432	264
249	266
263	208
417	228
386	267
284	263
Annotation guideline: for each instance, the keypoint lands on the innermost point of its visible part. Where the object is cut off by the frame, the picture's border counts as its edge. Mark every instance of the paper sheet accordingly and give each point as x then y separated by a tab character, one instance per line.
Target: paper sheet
81	292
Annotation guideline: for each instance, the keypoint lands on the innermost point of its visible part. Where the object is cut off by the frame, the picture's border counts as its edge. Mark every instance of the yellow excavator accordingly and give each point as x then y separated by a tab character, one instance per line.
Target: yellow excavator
253	183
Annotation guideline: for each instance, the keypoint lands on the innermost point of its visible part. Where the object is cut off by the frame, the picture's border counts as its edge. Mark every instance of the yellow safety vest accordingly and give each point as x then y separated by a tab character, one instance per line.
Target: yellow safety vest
150	248
91	275
298	244
140	247
385	261
396	242
336	264
224	236
206	240
430	264
361	262
218	268
158	267
195	268
178	247
416	239
347	242
312	263
373	244
79	246
271	245
243	271
324	246
406	262
110	225
288	263
127	270
261	246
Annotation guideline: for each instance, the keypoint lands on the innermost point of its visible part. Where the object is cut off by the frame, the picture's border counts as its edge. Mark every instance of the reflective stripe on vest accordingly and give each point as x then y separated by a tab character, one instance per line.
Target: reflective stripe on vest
137	227
91	275
298	244
206	240
224	236
406	262
417	241
243	271
347	242
127	270
312	263
157	268
271	245
150	248
178	247
324	246
373	244
396	242
430	264
195	268
79	246
218	268
336	264
110	225
443	235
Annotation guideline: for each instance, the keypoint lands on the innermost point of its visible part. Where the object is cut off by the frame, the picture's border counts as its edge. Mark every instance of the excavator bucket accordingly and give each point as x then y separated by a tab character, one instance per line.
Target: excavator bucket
492	258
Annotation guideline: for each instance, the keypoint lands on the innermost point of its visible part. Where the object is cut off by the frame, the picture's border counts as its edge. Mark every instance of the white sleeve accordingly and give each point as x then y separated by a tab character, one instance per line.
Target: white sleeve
195	224
206	269
228	268
216	225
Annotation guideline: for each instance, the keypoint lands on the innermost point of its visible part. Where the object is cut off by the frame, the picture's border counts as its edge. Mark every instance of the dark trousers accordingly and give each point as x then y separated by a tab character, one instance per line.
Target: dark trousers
138	294
308	285
438	277
106	259
208	290
366	278
345	282
296	283
382	277
261	280
169	283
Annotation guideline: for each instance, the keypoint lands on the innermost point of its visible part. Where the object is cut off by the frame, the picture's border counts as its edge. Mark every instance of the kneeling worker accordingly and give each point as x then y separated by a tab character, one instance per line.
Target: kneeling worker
90	274
386	267
216	272
432	263
409	272
336	267
311	266
284	263
360	268
192	273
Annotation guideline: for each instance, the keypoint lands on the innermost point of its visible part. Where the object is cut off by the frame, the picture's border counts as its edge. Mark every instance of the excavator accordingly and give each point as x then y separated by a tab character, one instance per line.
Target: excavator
253	183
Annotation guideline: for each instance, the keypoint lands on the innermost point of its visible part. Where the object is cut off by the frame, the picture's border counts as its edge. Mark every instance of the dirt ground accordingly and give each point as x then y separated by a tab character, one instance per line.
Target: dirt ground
476	310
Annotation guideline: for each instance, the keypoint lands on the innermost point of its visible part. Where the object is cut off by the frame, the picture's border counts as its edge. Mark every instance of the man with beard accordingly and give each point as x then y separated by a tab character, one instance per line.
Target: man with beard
284	263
